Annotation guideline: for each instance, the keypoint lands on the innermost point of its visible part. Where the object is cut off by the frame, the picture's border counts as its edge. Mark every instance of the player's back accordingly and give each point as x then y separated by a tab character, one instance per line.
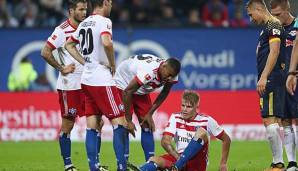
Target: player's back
272	31
89	35
145	65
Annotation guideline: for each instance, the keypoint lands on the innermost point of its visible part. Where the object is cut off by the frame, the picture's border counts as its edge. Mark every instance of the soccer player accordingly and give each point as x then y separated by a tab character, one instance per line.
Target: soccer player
270	66
94	36
191	132
68	83
281	10
135	78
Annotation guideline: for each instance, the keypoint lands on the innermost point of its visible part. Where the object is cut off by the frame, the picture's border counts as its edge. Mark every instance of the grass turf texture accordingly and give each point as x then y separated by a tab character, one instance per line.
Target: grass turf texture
45	156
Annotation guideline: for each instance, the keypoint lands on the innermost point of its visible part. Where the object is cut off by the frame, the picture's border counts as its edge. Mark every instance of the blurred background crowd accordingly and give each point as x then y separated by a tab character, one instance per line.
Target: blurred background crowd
165	13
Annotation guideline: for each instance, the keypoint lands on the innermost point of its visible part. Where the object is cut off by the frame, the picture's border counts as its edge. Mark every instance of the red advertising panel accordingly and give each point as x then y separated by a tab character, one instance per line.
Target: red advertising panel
36	116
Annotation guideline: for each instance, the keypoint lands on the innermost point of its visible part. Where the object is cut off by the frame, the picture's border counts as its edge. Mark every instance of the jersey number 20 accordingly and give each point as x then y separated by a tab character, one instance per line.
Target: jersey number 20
86	43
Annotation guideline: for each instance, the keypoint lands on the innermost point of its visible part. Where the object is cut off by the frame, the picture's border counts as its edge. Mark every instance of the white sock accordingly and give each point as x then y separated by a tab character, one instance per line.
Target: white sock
275	142
289	143
296	137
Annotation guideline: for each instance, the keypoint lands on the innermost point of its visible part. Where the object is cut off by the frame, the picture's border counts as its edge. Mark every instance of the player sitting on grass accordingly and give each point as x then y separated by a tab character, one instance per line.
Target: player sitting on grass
191	131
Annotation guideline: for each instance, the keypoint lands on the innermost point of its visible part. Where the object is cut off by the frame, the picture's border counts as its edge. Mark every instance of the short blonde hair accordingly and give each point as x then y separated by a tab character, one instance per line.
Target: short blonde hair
191	96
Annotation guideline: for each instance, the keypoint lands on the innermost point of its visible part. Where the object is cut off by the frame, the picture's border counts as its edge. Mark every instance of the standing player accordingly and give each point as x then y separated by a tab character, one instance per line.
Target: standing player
68	83
136	77
94	35
281	10
270	66
191	132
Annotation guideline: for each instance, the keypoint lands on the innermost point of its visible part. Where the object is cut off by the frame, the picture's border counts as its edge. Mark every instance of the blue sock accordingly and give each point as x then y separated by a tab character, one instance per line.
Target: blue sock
191	150
98	147
65	147
119	139
92	148
126	151
150	166
147	142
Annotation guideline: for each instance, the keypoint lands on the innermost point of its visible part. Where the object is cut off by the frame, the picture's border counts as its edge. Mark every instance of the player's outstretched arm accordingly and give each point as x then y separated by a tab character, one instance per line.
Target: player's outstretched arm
226	142
132	87
158	101
161	97
70	46
292	80
270	63
166	143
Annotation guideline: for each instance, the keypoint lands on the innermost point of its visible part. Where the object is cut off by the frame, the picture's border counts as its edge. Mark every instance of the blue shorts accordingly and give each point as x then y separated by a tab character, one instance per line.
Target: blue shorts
291	106
272	102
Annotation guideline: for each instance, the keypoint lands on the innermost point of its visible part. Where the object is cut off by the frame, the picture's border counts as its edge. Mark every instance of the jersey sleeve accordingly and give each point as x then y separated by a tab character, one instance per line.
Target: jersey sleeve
213	128
143	76
106	27
171	126
57	39
274	31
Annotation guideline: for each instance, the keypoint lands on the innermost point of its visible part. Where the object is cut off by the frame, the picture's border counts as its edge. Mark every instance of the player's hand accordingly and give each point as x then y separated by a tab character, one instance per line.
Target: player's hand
131	128
68	69
291	84
149	120
223	167
261	85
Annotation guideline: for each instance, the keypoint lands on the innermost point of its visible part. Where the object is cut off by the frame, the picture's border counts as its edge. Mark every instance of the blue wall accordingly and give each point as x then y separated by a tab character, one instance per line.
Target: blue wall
217	59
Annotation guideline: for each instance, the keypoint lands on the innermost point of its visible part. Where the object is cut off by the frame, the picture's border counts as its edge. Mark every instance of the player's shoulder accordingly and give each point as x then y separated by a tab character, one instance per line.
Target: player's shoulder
100	17
274	23
64	25
203	116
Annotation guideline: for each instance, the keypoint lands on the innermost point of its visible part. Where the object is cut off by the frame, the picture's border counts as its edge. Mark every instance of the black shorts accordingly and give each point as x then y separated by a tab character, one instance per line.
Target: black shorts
272	102
291	106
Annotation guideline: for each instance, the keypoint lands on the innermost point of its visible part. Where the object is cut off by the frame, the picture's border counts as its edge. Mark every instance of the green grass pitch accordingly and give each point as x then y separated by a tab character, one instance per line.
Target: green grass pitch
45	156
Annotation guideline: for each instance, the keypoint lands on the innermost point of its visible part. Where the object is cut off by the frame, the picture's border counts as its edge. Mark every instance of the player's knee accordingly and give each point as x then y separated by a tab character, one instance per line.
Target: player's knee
155	159
67	125
286	122
201	134
270	120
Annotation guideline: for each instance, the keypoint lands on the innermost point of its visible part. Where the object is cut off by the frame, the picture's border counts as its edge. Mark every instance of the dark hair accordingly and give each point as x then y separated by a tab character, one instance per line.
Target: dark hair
284	4
253	2
174	63
72	4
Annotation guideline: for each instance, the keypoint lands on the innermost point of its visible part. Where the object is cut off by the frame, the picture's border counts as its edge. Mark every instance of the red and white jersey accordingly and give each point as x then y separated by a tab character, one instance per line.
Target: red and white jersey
57	40
88	35
143	68
184	131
